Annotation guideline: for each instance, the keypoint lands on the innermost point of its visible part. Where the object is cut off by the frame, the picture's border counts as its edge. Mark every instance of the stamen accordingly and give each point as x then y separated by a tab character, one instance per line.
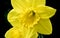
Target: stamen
32	12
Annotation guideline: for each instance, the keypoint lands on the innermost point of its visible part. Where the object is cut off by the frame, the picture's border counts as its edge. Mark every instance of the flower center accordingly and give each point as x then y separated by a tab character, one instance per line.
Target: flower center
29	18
33	13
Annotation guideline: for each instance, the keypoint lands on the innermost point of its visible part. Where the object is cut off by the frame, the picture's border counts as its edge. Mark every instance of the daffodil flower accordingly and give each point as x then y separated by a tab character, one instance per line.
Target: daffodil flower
30	14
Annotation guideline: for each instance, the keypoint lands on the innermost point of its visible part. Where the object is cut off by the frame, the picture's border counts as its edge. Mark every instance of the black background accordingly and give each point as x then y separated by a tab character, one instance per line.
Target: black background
5	7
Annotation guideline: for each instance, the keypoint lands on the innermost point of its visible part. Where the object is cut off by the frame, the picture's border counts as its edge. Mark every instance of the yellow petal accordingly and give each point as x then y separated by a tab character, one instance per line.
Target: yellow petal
44	26
23	4
13	19
34	3
35	35
18	5
38	2
13	33
45	11
30	33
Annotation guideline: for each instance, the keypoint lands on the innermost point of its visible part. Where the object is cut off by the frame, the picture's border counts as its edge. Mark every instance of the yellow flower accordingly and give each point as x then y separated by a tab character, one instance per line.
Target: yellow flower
31	14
